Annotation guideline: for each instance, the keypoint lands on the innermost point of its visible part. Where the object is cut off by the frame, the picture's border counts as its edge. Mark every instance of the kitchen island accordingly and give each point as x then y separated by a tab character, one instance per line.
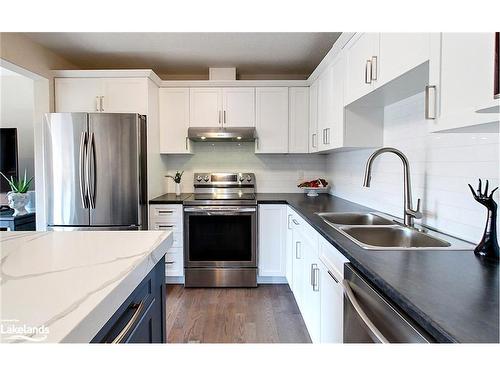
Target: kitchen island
77	286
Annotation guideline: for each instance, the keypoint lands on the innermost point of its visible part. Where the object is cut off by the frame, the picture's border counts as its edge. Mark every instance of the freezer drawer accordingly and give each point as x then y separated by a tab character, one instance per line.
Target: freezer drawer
370	318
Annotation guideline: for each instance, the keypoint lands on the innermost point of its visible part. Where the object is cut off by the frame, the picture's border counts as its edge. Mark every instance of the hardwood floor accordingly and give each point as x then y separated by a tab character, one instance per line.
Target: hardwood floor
267	314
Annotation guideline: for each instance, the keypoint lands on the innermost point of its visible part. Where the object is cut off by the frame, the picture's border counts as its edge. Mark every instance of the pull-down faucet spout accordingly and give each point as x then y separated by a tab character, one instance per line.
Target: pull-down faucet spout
409	213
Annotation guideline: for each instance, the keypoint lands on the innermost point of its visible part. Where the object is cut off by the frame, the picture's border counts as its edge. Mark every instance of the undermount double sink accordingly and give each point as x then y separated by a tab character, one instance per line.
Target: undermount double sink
372	231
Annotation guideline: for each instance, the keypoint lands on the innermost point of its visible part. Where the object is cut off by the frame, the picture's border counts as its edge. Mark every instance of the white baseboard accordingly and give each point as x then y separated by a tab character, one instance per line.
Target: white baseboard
271	280
174	280
260	280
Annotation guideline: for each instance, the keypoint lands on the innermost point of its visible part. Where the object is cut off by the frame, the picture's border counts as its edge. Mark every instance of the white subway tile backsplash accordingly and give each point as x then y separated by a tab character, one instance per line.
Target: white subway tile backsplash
274	173
441	167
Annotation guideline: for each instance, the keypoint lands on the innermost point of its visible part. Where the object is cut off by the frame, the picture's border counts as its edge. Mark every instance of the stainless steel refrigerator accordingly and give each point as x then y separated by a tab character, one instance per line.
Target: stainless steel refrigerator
95	171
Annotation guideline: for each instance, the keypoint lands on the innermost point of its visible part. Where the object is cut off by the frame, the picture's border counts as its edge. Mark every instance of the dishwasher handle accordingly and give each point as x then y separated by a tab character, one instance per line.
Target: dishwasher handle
373	330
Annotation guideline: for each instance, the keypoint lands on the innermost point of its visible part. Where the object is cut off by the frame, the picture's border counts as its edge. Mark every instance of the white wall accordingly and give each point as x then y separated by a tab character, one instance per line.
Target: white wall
441	167
17	111
274	173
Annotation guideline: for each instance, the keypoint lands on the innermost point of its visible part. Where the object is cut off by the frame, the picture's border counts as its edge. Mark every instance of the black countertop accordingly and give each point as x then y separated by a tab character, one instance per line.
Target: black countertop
452	294
170	198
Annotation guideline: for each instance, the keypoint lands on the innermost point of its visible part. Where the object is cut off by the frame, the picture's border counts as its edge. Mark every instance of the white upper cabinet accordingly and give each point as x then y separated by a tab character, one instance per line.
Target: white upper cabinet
272	240
124	95
221	107
78	94
461	80
271	120
174	121
298	133
238	107
361	58
110	95
205	107
399	53
331	106
313	117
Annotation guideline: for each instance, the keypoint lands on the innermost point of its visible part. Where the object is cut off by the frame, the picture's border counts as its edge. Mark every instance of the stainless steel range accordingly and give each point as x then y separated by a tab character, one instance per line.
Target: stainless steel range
220	231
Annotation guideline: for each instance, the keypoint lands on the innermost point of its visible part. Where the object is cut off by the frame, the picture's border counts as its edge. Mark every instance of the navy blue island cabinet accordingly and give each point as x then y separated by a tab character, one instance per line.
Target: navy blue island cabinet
141	318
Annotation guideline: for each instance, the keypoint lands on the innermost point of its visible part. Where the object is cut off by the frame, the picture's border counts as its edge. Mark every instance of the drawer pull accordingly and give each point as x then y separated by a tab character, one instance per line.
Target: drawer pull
170	262
333	277
164	212
295	222
128	327
165	226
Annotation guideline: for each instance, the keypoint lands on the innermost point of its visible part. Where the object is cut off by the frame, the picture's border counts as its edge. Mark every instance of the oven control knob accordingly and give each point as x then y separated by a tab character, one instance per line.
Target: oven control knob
242	178
249	178
206	178
198	178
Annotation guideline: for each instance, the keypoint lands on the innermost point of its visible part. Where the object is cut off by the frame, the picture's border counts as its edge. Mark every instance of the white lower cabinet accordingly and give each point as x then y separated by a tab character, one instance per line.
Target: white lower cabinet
331	271
170	217
315	279
272	240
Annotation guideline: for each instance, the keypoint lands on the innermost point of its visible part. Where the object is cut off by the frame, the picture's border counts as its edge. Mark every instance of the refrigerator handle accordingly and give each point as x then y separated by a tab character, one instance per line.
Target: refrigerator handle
90	171
82	166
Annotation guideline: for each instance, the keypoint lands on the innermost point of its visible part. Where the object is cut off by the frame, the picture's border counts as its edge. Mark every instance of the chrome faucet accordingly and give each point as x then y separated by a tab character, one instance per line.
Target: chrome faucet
409	213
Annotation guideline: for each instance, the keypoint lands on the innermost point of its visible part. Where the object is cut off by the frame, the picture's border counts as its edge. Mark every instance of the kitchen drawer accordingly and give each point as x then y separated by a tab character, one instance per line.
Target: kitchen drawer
141	318
176	250
331	257
166	213
175	227
298	223
174	262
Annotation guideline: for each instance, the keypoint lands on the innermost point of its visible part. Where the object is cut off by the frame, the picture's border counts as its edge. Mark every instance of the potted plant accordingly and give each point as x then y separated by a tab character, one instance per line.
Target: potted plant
177	179
18	196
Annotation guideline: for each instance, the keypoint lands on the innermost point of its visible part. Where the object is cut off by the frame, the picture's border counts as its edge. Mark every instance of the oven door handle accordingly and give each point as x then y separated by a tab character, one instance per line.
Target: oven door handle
219	210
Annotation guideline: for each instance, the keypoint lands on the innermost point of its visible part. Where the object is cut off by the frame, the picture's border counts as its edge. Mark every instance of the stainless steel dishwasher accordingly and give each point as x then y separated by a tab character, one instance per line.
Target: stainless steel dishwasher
370	318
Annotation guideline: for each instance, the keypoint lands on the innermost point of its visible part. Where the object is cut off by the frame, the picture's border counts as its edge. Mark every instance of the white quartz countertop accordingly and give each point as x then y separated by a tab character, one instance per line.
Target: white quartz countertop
64	286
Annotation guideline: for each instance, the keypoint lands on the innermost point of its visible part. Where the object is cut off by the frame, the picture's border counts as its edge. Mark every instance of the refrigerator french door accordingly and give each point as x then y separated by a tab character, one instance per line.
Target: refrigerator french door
95	171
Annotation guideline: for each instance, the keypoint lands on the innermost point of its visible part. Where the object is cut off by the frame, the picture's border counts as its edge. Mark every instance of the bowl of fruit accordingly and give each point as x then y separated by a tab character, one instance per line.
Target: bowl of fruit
313	187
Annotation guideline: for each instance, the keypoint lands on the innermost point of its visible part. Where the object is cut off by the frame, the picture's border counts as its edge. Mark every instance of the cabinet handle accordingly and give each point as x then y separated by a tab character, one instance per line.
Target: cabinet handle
297	250
220	114
314	140
315	284
311	276
257	143
368	72
428	115
163	212
324	136
289	218
295	222
128	327
374	68
224	116
186	143
102	105
97	101
333	277
170	262
165	226
327	132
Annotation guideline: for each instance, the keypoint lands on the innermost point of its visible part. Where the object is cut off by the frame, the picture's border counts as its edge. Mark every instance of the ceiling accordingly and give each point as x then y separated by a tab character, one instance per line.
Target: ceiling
287	54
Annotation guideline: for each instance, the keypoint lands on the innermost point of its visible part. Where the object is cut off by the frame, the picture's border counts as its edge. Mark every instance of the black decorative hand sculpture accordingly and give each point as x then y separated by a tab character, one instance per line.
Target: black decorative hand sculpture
488	247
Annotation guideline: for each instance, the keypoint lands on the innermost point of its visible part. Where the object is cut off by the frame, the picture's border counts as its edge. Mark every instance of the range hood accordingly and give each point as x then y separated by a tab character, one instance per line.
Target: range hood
199	134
